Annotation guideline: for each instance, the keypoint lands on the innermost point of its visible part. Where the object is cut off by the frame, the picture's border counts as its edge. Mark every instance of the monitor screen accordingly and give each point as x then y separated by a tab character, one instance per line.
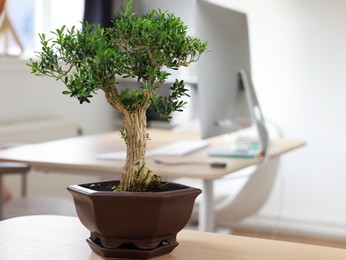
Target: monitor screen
223	106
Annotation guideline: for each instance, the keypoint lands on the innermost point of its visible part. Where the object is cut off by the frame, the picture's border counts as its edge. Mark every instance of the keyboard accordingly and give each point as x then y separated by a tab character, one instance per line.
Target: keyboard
174	149
179	148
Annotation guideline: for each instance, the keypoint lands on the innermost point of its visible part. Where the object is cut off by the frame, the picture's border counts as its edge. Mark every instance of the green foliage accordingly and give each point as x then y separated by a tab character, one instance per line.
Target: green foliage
141	47
123	134
81	59
165	105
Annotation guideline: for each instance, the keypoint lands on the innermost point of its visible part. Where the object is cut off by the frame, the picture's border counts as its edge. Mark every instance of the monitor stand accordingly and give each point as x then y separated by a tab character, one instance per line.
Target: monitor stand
249	148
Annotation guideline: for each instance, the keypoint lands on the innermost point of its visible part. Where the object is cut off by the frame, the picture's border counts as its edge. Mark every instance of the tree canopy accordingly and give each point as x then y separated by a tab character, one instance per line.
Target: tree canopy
142	47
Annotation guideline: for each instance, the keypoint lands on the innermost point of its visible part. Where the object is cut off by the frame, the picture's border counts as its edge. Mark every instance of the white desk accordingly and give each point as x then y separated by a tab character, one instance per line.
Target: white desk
61	238
79	155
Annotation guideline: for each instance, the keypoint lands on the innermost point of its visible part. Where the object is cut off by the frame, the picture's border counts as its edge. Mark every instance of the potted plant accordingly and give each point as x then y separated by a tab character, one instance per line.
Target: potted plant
134	220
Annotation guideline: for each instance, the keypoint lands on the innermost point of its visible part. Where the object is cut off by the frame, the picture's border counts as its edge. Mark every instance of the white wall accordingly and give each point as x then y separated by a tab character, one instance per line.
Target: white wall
299	67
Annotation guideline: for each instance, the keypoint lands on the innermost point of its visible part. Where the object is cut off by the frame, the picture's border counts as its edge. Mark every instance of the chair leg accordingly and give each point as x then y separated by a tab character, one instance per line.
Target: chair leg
1	198
24	184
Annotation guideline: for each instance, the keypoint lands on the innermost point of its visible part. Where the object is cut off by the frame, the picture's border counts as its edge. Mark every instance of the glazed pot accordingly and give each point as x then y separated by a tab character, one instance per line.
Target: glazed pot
133	224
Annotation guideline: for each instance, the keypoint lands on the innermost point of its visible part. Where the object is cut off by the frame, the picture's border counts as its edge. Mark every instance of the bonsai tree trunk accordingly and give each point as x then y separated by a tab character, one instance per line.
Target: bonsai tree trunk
136	176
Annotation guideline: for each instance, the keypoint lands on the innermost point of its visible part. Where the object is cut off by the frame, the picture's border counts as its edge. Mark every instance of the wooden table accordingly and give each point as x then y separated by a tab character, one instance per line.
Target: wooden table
63	238
79	155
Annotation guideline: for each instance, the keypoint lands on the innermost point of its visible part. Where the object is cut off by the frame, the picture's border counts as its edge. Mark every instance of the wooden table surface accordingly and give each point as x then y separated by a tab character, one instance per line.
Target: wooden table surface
63	238
79	154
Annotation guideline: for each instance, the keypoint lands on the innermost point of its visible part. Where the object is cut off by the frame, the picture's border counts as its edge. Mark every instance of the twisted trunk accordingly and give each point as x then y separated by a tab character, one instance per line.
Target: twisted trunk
135	176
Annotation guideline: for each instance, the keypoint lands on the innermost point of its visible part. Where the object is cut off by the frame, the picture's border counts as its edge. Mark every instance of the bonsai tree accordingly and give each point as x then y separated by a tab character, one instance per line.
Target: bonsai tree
140	47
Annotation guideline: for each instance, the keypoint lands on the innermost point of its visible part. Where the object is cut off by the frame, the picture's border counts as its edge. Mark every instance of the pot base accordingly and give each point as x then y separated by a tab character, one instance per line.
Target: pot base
132	252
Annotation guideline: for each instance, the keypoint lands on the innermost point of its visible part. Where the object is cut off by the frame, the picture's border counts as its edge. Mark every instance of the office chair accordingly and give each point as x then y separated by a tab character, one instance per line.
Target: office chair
240	195
243	193
254	191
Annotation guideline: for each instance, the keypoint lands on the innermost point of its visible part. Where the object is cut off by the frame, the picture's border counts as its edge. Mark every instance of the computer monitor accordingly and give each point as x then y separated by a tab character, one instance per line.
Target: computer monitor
226	97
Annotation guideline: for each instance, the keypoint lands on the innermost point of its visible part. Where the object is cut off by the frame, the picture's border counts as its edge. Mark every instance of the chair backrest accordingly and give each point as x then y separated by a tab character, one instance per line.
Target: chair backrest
251	197
2	6
2	12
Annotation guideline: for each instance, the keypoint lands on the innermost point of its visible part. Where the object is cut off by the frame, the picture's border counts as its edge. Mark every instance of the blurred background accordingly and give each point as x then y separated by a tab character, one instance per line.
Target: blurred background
298	55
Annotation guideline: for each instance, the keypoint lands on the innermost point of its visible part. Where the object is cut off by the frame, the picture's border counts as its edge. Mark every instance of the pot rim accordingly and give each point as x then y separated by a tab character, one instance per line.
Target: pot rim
184	190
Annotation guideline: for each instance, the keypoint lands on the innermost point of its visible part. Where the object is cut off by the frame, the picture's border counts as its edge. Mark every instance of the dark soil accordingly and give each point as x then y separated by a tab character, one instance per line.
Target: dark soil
111	186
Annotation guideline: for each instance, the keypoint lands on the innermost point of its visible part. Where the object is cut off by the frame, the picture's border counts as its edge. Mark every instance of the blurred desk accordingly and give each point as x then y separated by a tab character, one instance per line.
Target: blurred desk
78	155
61	237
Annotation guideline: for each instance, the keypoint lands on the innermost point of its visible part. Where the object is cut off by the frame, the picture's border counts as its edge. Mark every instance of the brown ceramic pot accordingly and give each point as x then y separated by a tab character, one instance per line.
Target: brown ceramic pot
133	224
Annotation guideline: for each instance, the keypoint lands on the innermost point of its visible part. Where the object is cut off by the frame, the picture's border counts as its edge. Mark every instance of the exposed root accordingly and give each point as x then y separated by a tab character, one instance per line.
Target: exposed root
144	180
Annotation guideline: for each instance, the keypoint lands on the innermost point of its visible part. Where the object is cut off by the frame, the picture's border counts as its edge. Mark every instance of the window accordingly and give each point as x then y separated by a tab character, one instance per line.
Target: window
22	20
30	17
